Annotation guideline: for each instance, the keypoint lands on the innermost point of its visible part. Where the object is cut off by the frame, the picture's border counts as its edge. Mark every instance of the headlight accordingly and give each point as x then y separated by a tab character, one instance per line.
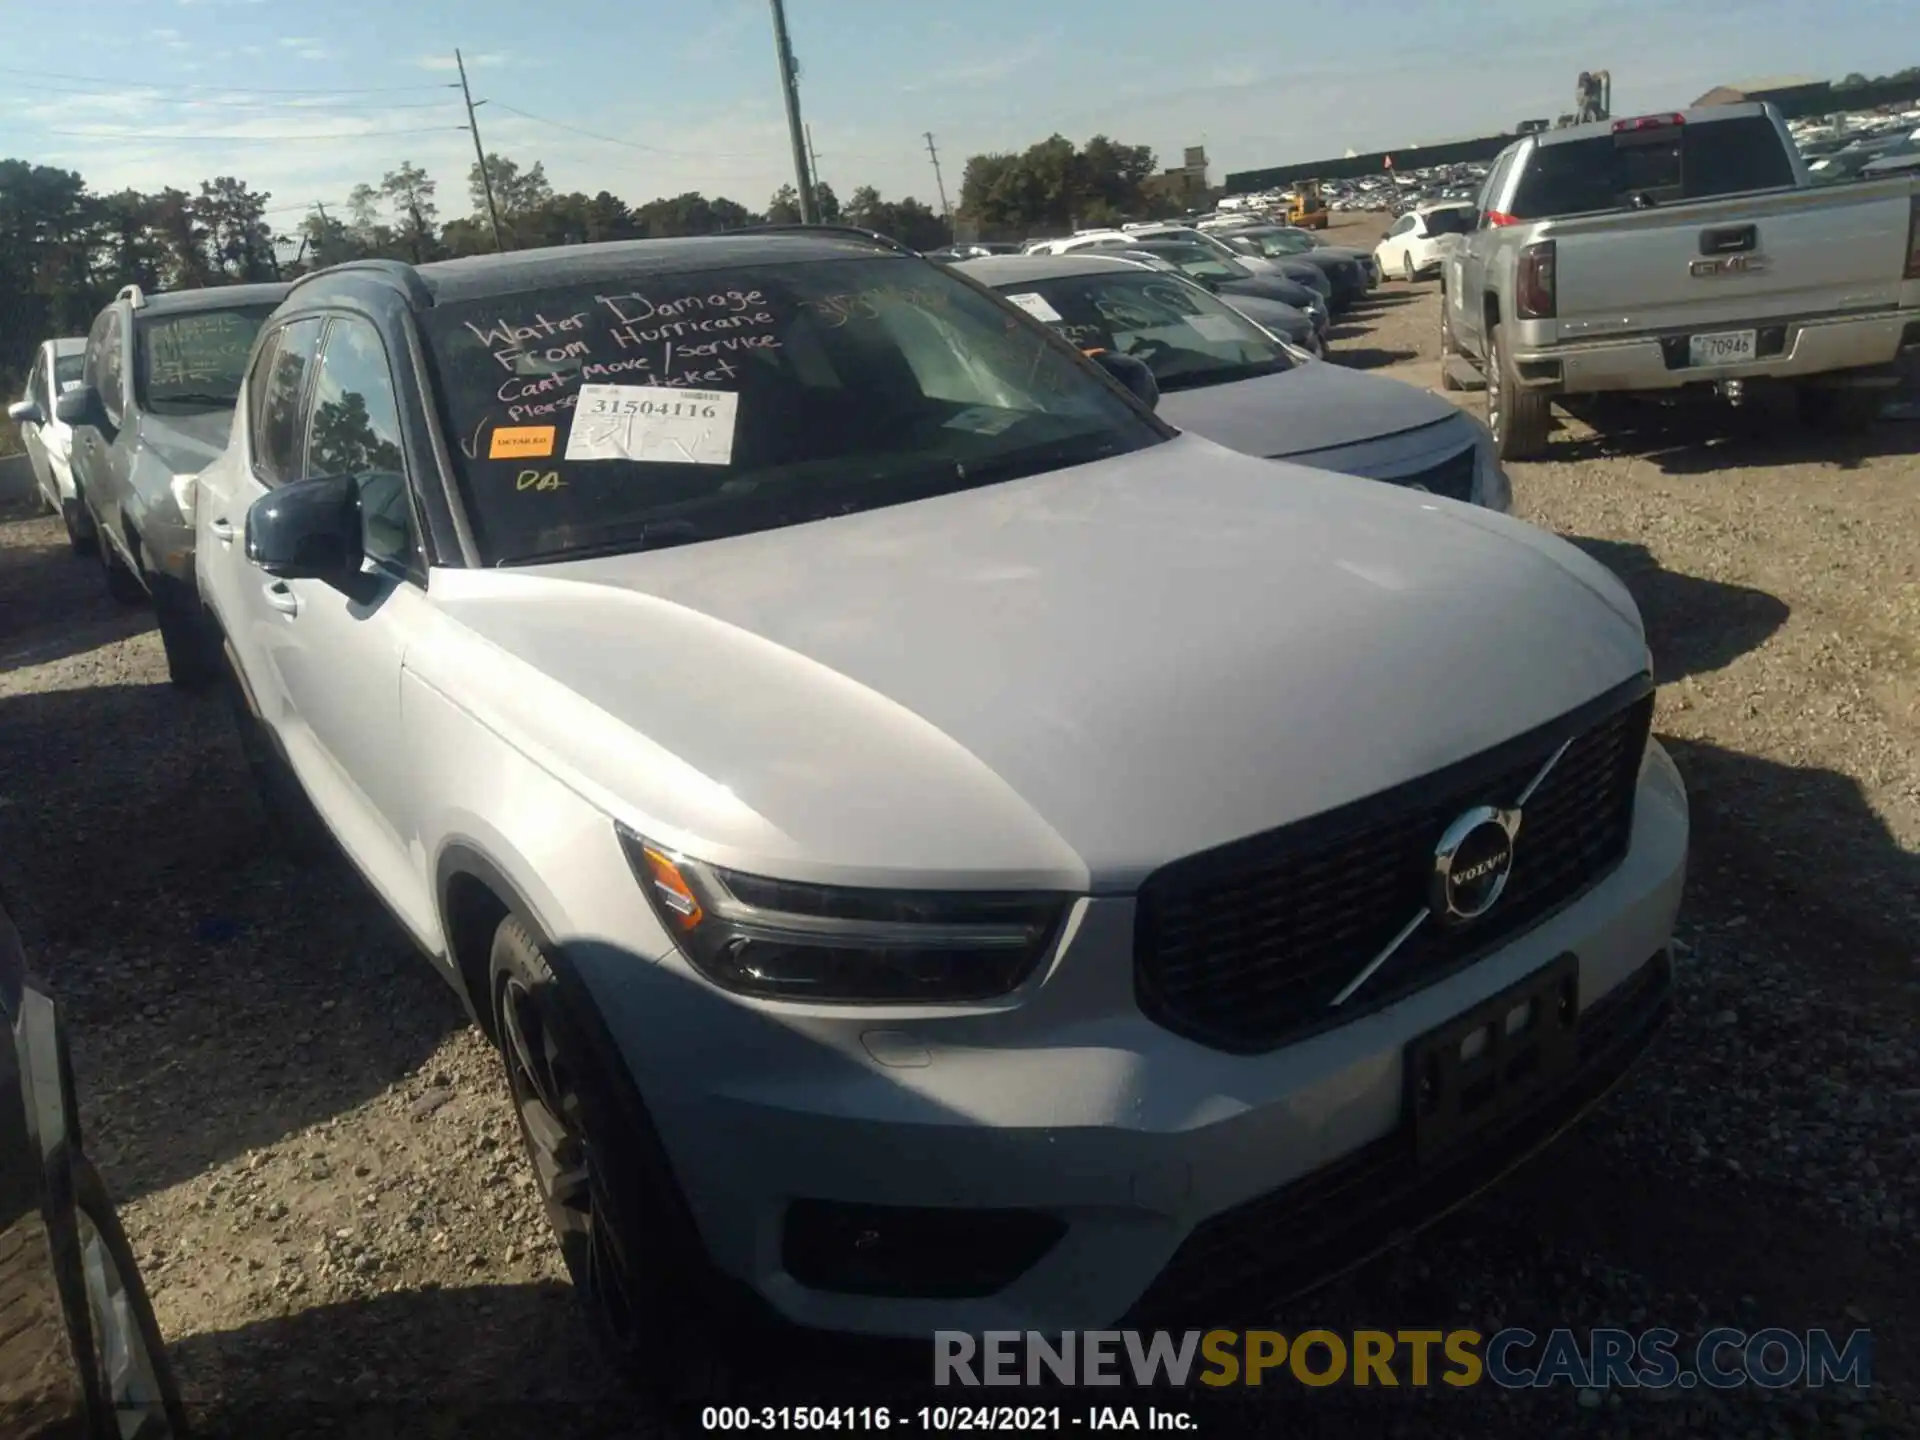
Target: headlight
186	490
788	941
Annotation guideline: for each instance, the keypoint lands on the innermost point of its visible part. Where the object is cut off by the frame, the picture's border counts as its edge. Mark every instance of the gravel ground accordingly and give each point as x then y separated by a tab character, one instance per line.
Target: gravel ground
317	1166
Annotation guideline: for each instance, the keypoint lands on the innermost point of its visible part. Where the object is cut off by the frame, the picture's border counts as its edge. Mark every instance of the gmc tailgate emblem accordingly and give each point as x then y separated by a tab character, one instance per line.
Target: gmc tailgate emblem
1727	265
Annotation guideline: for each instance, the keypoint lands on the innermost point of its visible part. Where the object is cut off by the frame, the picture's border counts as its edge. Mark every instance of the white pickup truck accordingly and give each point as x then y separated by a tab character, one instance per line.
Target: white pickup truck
1678	250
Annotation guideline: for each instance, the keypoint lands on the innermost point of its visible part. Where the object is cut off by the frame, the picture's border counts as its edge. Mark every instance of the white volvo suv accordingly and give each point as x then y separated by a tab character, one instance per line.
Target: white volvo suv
935	846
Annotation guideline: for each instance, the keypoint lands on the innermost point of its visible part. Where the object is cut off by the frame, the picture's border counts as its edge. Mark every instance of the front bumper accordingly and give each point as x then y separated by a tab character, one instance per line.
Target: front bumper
1789	349
1067	1103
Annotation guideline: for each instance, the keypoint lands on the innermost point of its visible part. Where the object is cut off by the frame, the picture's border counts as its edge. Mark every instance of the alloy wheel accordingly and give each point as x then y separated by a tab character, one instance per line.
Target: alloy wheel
127	1371
546	1100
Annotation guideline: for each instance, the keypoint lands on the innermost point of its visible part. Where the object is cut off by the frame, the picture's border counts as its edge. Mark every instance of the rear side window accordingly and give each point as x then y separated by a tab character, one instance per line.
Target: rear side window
110	368
1699	161
278	429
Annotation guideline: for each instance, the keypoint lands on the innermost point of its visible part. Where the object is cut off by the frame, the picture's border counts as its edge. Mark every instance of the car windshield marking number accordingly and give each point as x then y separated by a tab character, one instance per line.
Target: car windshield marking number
653	423
1035	304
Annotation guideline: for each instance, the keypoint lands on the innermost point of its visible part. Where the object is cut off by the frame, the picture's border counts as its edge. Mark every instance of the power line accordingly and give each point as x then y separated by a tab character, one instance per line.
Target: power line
158	137
125	84
296	105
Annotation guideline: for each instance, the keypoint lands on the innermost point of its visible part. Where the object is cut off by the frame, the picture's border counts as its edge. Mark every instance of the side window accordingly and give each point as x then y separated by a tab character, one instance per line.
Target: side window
113	370
257	381
278	429
1404	224
38	390
1496	182
355	430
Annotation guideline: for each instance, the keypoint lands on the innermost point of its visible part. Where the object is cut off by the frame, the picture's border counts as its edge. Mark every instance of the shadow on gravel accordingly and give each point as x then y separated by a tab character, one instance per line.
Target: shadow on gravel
1694	439
53	603
1695	626
1367	357
220	998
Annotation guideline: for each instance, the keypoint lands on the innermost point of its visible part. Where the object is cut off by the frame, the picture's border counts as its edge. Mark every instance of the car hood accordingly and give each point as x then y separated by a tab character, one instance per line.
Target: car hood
1065	680
187	444
1280	318
1311	407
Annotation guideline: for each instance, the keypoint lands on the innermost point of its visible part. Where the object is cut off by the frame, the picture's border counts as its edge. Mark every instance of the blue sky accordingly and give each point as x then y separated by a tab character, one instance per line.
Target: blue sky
306	100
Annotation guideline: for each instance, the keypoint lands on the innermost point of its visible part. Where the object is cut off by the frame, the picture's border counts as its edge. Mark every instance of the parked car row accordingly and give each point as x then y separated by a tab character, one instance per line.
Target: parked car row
601	604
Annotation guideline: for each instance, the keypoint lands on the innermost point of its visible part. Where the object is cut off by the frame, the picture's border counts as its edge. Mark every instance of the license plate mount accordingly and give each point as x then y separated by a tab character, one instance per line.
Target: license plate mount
1494	1062
1723	347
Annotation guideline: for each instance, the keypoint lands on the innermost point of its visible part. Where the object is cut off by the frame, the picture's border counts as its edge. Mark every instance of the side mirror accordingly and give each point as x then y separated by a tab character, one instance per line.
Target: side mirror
308	530
1132	373
26	412
77	407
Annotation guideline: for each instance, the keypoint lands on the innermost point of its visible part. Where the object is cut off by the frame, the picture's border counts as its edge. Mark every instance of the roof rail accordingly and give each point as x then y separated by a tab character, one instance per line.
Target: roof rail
884	241
133	295
398	271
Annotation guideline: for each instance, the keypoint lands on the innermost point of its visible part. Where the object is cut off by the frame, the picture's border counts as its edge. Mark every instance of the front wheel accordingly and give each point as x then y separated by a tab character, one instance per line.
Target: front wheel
628	1244
192	661
122	584
129	1358
80	536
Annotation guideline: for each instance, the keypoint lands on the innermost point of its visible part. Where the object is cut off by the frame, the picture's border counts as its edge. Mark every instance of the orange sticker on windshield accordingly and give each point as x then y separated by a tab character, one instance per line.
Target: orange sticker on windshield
521	442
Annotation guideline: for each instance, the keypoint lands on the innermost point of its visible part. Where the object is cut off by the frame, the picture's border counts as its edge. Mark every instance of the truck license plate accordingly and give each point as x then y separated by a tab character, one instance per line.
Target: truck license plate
1727	347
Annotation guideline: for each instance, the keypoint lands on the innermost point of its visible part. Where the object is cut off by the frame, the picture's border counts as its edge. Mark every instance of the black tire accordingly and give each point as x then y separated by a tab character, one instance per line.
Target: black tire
629	1244
293	826
1840	411
122	584
137	1382
1519	419
193	662
80	537
1448	350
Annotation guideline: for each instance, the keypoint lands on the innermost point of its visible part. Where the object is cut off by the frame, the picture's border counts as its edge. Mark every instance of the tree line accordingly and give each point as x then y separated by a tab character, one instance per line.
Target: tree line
65	249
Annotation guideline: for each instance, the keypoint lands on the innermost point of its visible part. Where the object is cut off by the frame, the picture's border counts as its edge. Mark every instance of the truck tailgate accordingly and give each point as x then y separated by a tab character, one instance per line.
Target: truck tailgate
1814	251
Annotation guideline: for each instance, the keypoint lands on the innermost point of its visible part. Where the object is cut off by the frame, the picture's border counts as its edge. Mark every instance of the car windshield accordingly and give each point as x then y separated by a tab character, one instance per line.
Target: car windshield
1198	261
1185	336
194	362
669	407
1453	221
1276	243
68	369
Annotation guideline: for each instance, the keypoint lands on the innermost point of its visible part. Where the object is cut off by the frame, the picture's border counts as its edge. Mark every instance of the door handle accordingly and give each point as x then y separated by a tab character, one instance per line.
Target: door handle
281	598
222	530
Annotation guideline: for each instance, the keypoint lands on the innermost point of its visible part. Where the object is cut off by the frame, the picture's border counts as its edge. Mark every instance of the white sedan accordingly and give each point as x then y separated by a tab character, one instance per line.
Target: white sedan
56	369
1414	245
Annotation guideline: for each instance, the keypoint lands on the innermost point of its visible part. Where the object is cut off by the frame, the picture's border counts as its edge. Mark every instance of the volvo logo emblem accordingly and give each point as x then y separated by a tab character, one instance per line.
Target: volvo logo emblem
1471	864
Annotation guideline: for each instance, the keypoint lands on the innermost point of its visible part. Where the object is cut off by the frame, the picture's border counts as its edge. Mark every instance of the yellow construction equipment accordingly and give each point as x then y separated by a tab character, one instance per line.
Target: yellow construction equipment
1305	208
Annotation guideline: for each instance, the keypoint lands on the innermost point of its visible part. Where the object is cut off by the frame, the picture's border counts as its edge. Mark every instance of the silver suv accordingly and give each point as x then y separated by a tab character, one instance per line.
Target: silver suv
155	404
934	845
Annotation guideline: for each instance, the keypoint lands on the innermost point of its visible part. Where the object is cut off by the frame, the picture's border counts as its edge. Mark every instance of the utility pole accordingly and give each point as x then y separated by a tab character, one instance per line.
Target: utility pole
796	131
813	159
479	153
941	185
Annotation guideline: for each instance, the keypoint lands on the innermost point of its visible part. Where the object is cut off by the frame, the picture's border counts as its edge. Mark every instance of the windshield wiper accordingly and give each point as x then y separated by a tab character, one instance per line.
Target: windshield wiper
657	535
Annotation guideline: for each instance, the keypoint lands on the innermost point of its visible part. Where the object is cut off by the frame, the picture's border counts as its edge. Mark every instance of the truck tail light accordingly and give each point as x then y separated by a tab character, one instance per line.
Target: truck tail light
1534	299
1648	122
1913	238
1500	217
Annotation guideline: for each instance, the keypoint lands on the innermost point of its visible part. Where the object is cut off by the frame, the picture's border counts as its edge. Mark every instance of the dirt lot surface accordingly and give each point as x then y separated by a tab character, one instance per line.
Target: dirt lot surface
318	1168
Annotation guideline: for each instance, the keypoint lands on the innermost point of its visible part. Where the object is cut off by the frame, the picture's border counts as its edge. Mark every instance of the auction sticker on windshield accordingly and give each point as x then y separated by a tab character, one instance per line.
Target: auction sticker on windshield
1035	305
654	423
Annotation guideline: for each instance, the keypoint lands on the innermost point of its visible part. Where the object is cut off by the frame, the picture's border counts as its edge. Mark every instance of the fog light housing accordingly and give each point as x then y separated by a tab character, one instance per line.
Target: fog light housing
902	1251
